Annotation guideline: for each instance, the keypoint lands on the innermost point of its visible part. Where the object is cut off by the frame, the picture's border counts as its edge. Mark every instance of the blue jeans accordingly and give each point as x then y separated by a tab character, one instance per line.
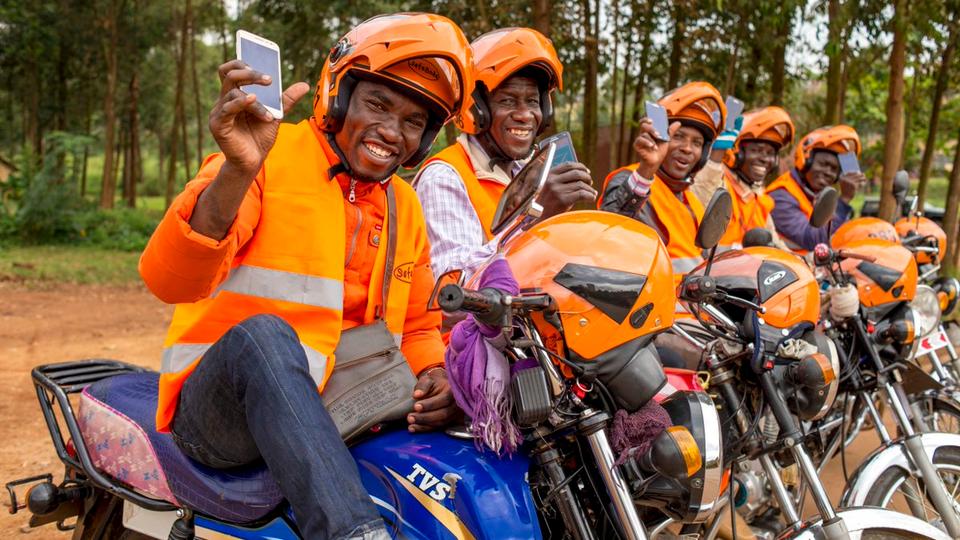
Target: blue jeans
252	398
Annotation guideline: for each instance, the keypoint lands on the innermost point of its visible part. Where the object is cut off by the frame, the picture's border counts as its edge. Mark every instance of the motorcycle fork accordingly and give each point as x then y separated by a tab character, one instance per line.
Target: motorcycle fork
936	490
570	511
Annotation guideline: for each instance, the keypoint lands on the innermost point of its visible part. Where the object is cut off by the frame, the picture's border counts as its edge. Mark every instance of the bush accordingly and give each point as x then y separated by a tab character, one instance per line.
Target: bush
125	229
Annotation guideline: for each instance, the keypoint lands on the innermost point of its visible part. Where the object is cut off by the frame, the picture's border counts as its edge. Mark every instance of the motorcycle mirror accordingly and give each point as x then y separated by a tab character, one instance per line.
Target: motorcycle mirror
757	236
901	184
824	207
519	199
451	277
715	220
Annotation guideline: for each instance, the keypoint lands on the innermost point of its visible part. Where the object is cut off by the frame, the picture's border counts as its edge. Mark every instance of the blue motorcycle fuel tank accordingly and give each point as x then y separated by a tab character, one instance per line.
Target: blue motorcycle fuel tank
432	486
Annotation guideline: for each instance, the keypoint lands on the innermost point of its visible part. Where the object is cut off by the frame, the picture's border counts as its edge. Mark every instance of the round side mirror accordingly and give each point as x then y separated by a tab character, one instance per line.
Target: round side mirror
901	185
824	207
519	199
757	237
715	220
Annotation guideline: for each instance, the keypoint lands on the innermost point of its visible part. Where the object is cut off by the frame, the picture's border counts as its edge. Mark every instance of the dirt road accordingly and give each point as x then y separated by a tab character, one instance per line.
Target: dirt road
65	322
70	322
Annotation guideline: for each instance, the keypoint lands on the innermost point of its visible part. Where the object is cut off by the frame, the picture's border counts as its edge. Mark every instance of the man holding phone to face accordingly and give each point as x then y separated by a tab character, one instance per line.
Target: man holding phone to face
280	245
816	166
665	172
515	69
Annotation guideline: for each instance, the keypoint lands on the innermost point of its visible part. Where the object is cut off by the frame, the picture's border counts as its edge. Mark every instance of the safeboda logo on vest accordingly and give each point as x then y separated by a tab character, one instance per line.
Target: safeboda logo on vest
404	272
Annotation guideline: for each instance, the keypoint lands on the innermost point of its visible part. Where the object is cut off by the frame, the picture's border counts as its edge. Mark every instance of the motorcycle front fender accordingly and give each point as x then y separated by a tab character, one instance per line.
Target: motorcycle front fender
859	520
890	455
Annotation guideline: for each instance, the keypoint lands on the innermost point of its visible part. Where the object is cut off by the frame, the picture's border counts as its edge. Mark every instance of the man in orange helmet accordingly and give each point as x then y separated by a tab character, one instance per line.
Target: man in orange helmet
292	235
696	112
748	163
516	70
816	166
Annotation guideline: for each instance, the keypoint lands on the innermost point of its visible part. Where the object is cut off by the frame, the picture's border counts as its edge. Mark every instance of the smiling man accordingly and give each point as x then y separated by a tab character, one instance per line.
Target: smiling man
292	235
515	70
657	192
816	166
753	157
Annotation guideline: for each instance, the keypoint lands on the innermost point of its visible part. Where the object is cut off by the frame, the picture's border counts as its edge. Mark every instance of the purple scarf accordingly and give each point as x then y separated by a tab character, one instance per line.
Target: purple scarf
479	374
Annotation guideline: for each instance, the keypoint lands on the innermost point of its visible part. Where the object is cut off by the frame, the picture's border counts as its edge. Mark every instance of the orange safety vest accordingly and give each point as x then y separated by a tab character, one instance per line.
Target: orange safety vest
786	182
293	266
484	193
747	214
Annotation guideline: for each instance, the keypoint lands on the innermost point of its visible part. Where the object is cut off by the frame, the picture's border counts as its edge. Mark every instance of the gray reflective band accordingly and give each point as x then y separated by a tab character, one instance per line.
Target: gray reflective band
398	338
179	356
684	265
287	286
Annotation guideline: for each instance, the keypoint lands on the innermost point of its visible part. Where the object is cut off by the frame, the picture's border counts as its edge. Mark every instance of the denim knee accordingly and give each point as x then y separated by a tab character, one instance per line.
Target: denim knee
272	340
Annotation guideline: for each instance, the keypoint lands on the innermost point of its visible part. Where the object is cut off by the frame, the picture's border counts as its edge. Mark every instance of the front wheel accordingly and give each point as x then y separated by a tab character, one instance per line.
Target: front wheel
896	489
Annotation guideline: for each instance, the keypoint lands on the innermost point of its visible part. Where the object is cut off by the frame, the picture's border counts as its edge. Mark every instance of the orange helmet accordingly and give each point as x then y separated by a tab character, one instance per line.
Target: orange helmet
777	280
890	277
864	228
924	227
700	105
610	276
838	139
770	124
497	56
423	55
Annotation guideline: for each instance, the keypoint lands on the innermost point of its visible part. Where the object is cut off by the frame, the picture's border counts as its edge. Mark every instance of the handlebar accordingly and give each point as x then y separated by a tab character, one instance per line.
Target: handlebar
490	305
823	255
695	288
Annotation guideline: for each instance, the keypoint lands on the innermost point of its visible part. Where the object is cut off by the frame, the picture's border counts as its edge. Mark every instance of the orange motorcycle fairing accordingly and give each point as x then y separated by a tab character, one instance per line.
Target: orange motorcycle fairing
924	227
864	228
885	272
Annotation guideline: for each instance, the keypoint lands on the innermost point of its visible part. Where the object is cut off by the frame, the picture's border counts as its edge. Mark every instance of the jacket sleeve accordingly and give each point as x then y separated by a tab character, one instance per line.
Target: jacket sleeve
421	343
620	198
707	181
792	224
180	265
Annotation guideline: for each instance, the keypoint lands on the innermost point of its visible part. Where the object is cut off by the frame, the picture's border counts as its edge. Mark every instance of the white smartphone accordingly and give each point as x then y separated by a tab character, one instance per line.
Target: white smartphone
734	110
848	163
262	55
658	115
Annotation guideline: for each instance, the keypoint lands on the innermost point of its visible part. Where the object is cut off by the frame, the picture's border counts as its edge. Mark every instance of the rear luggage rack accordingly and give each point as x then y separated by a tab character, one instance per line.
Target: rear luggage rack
58	381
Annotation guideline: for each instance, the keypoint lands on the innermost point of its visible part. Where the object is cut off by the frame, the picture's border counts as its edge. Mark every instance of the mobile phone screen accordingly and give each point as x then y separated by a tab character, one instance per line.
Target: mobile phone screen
565	152
265	60
658	115
734	110
848	163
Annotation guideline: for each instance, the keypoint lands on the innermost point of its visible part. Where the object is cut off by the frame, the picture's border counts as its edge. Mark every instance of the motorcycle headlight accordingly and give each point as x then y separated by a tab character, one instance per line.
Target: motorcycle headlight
926	310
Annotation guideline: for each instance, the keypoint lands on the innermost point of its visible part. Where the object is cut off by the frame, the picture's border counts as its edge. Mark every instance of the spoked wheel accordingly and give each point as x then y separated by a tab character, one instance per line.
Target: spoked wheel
898	490
940	413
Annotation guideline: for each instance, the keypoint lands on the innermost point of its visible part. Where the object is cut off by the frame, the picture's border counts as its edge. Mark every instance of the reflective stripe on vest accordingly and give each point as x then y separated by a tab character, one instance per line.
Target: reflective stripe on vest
683	265
180	356
286	286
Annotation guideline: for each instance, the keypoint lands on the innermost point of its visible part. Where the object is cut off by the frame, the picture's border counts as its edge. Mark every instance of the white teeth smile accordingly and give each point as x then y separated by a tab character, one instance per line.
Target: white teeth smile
519	132
378	151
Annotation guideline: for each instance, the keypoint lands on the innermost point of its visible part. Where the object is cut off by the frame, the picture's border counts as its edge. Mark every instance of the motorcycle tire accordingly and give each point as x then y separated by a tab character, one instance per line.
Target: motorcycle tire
882	493
941	414
103	520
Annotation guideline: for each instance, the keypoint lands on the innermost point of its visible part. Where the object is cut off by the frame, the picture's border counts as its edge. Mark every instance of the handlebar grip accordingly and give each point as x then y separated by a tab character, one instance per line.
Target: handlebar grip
844	254
822	254
456	298
696	288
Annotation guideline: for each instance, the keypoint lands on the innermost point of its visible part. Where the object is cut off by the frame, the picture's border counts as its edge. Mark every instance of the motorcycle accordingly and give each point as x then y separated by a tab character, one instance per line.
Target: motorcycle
775	374
582	328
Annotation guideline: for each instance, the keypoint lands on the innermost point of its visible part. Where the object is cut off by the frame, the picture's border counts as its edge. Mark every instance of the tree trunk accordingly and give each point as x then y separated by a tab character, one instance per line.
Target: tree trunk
86	147
199	113
893	134
590	17
109	44
919	72
622	124
950	218
639	91
676	43
834	52
133	153
222	21
541	16
177	106
778	75
943	78
614	140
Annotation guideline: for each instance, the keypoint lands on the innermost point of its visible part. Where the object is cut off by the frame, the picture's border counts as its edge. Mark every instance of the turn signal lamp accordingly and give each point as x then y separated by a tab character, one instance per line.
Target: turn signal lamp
687	448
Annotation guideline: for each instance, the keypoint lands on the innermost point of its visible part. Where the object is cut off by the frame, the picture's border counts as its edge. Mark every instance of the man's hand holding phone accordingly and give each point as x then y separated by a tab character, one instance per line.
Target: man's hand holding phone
651	149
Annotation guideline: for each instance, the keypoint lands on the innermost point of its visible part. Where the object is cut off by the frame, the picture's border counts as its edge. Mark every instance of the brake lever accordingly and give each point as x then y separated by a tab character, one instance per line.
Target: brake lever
736	300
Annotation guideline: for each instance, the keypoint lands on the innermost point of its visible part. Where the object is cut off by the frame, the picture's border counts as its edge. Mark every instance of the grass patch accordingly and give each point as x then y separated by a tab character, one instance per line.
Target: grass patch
39	265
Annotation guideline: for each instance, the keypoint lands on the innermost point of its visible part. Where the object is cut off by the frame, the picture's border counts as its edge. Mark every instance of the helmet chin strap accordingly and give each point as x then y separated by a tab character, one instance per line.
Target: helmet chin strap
344	165
493	150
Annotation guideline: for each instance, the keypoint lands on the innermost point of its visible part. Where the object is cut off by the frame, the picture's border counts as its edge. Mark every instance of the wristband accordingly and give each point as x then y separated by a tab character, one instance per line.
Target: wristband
639	185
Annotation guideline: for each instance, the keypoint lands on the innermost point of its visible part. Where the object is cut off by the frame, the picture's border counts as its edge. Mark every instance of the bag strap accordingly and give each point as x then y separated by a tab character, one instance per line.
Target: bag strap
391	250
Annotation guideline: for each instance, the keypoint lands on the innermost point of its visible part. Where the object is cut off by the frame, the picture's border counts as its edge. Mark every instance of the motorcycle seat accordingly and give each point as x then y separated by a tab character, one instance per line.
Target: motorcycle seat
117	417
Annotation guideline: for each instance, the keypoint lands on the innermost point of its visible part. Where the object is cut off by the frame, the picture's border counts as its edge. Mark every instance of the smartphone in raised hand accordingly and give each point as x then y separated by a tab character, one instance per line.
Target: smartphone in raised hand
565	152
734	110
658	115
848	163
262	55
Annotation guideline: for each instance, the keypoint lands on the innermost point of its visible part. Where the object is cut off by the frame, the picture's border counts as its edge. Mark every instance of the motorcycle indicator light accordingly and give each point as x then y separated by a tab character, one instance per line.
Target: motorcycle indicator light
687	447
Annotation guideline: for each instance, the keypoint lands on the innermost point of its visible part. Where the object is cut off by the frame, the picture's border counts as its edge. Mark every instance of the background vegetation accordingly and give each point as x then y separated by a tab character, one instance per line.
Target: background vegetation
104	102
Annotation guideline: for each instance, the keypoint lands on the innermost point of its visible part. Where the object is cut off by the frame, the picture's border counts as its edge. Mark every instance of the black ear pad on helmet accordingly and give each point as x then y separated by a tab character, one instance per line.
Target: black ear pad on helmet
338	104
480	108
546	111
